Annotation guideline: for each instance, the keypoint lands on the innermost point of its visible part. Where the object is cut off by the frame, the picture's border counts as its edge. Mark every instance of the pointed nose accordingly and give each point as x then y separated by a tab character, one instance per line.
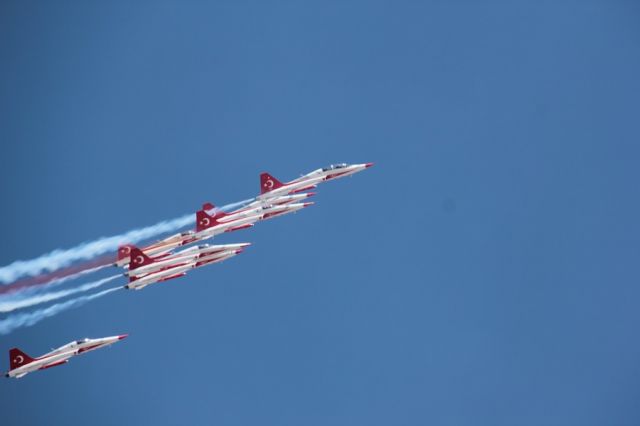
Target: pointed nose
310	203
367	165
310	194
122	336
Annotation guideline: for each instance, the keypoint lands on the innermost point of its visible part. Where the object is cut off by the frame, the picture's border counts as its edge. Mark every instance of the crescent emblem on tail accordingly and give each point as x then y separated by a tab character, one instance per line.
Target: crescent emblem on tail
139	259
19	359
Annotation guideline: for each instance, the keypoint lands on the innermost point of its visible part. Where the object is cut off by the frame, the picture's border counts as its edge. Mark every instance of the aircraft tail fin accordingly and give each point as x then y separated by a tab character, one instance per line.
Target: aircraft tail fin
204	220
138	258
17	358
268	183
124	251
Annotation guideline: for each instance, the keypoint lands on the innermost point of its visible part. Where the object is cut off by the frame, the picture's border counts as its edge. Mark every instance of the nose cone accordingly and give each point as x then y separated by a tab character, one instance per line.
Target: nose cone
310	194
123	336
310	203
367	165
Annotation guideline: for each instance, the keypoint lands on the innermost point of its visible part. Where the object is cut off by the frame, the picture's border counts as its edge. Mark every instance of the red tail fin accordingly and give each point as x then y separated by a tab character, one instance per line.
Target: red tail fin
124	251
268	183
17	358
204	220
138	258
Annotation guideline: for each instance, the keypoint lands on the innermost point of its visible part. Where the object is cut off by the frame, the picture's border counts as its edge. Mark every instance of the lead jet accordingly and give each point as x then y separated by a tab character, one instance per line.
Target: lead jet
21	364
167	268
271	187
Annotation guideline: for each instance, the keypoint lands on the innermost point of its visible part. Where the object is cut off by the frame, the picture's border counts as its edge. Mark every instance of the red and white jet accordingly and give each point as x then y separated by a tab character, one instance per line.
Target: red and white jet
208	225
21	364
272	187
191	254
158	248
170	267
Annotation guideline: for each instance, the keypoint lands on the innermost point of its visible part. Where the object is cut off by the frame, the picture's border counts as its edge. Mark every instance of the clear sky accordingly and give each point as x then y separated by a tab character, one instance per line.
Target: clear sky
484	272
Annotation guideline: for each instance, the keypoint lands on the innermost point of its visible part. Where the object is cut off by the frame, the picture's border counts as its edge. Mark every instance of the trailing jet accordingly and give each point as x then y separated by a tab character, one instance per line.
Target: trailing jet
169	267
208	225
272	187
21	364
140	267
158	248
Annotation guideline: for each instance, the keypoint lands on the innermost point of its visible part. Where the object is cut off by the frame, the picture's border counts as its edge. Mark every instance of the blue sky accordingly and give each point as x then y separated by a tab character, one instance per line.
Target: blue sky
483	272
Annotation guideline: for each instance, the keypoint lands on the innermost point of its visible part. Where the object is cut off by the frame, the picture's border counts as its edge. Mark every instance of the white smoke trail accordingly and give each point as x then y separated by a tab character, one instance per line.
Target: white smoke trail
61	258
57	281
39	288
22	302
28	319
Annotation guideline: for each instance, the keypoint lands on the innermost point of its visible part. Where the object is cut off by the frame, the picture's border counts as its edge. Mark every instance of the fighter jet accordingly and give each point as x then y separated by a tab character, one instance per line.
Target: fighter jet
208	225
170	268
263	211
271	187
21	364
158	248
138	266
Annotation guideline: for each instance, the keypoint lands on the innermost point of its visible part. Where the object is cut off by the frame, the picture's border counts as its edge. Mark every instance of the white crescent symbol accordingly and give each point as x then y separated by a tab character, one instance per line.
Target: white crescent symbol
19	359
206	221
126	250
139	259
269	184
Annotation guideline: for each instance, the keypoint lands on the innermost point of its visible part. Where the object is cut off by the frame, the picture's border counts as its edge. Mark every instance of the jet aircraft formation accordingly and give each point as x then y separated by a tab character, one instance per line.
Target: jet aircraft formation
158	262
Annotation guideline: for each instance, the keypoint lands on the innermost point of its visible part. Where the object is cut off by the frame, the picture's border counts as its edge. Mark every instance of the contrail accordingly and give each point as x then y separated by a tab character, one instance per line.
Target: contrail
23	302
22	294
61	258
31	285
28	319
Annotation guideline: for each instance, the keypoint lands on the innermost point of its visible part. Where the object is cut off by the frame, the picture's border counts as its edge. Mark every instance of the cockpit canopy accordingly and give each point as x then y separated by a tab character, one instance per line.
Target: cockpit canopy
85	340
335	166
